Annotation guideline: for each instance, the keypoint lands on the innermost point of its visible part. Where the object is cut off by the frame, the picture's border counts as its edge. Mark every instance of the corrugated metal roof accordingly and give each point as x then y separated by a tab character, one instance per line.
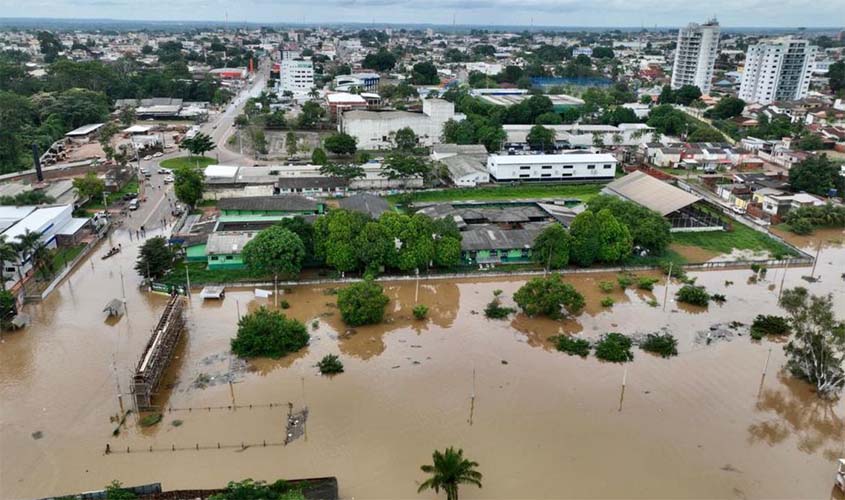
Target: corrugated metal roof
651	193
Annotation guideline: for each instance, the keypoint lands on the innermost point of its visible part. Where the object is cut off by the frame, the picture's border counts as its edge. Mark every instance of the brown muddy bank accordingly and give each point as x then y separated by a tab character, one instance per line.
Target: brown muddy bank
544	425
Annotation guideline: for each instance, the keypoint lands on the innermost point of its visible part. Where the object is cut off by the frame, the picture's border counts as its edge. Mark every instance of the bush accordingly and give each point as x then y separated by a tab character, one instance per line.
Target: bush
420	311
494	310
718	297
646	283
284	304
151	419
765	324
606	286
330	364
625	281
362	303
695	295
571	346
607	302
267	333
755	268
614	347
653	303
665	345
548	296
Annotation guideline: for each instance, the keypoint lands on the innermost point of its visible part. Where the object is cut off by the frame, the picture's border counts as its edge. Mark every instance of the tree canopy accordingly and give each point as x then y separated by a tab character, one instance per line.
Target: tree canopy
155	258
188	184
266	333
817	175
275	250
548	296
362	303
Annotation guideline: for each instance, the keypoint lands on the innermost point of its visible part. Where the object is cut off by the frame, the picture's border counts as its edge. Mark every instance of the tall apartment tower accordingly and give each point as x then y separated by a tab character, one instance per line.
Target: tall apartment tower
778	70
695	55
296	76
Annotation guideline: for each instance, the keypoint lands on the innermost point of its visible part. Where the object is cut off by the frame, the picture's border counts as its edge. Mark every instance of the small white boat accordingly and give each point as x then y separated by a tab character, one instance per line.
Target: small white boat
213	292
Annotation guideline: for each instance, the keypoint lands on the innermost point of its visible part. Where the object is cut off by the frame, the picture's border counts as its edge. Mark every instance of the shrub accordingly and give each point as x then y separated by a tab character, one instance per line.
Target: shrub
677	272
614	347
755	268
695	295
494	310
625	281
607	302
571	346
646	283
718	297
284	304
665	345
151	419
268	333
330	364
653	303
548	296
420	311
765	324
362	303
606	286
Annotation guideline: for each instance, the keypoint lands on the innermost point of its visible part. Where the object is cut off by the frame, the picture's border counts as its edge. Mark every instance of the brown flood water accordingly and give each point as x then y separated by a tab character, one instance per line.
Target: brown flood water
544	425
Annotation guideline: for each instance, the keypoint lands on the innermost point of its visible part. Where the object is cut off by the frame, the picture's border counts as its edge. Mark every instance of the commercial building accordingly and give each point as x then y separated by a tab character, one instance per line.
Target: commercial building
375	129
297	76
339	102
466	163
551	168
777	71
367	82
695	55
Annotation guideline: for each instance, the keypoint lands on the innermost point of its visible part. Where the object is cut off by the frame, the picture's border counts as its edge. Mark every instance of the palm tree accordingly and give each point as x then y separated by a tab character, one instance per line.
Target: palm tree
449	470
41	259
8	253
27	243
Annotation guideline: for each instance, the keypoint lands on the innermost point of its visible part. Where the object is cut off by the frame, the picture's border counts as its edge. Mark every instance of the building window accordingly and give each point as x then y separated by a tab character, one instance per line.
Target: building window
213	257
525	167
547	167
229	257
608	166
568	166
591	167
524	175
545	175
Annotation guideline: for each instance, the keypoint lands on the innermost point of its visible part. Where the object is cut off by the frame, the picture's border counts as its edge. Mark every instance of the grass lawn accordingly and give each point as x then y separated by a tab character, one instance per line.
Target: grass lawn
202	276
581	191
188	161
741	238
62	256
668	256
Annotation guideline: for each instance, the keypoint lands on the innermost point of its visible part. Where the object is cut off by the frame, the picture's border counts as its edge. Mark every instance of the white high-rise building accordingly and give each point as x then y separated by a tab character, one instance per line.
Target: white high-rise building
778	70
695	55
296	76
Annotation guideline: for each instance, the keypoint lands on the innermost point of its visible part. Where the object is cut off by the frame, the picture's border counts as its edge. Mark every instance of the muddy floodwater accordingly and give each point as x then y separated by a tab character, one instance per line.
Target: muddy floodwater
705	424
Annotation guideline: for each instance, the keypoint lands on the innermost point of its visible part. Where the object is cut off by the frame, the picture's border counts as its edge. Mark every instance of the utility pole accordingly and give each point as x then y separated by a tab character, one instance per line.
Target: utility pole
782	279
187	281
668	280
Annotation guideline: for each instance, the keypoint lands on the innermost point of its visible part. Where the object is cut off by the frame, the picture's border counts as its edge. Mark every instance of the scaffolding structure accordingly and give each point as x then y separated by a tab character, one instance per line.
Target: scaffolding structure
157	355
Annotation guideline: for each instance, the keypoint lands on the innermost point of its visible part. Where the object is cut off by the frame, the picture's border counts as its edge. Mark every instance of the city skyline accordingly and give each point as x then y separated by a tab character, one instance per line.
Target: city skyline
600	13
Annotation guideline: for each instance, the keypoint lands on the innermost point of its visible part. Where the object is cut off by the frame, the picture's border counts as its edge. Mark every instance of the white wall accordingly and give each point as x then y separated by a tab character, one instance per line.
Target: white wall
549	168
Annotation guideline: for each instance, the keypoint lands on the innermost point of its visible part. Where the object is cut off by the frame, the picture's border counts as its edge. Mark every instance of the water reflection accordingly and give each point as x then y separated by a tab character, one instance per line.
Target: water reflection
793	409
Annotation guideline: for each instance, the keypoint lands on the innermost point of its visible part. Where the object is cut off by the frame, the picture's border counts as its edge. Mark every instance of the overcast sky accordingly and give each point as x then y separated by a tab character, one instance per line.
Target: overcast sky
738	13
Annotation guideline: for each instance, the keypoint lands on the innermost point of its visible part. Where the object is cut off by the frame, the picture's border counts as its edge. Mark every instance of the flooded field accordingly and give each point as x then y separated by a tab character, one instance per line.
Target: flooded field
543	424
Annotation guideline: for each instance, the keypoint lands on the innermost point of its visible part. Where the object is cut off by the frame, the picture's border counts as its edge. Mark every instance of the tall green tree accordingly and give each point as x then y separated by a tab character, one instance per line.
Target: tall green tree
8	254
334	239
188	184
817	175
403	167
275	250
551	247
615	239
199	144
405	139
816	352
266	333
586	243
319	157
374	246
341	144
424	73
448	471
155	258
540	138
89	186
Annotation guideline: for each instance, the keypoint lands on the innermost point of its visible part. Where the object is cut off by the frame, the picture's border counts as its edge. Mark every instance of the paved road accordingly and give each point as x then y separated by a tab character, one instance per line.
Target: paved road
160	199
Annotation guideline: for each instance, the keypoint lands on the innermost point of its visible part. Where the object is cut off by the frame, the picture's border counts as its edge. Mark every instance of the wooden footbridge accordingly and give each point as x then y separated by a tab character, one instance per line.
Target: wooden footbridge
157	355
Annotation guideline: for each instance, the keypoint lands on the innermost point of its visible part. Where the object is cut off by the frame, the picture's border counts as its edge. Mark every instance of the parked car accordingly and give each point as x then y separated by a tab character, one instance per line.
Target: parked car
148	158
168	179
164	171
134	204
158	154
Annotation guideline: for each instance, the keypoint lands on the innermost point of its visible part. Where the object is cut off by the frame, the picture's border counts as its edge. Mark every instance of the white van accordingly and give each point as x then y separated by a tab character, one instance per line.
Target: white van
134	204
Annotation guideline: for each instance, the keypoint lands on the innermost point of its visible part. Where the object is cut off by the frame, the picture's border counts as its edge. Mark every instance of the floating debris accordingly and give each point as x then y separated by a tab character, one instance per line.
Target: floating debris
295	427
37	435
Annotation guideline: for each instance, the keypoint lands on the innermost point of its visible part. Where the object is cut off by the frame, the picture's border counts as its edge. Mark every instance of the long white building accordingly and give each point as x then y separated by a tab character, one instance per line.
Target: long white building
695	55
777	71
551	168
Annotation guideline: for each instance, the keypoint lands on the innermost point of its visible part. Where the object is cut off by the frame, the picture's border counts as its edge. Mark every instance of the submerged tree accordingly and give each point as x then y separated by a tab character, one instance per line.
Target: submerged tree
449	470
817	350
